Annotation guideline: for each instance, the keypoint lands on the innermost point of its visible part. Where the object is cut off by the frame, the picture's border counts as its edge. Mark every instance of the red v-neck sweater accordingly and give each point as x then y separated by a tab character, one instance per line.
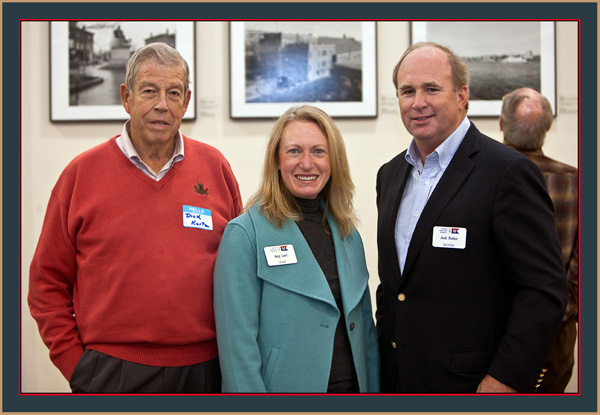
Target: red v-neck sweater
115	270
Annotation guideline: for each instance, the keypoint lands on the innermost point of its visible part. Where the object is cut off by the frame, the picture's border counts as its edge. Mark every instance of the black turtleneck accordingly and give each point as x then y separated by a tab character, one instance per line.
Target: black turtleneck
318	235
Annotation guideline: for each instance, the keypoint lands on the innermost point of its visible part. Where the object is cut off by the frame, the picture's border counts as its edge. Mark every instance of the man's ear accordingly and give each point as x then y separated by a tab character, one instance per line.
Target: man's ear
463	97
125	95
186	103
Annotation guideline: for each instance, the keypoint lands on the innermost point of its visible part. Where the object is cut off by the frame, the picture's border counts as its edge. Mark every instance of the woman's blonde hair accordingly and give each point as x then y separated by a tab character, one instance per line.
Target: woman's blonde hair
275	200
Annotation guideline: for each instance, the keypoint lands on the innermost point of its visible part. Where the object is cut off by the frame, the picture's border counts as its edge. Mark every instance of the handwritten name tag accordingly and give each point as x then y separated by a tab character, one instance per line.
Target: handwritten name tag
195	217
449	237
280	255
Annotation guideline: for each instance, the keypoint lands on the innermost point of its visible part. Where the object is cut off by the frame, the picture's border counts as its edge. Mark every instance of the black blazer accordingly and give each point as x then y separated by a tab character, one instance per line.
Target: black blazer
494	307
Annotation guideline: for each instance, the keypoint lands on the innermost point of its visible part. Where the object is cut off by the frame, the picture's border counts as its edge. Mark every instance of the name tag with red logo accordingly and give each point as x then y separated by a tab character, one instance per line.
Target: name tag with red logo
449	237
280	255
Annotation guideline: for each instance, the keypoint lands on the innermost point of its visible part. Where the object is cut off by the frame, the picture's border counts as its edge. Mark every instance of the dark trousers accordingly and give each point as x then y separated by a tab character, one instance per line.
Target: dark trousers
99	373
561	360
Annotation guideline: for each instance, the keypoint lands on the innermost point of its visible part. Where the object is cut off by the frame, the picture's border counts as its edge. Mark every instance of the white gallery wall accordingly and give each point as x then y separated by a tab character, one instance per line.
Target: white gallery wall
47	147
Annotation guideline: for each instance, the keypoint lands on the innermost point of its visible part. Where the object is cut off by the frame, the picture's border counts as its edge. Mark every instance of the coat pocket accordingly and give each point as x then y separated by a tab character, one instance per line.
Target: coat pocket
270	366
477	361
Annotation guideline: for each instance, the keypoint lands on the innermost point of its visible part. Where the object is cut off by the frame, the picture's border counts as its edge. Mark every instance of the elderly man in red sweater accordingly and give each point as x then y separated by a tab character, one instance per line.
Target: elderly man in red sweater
121	280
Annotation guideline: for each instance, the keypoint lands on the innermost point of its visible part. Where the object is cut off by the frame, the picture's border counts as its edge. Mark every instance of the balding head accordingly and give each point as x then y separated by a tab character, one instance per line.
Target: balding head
529	108
526	118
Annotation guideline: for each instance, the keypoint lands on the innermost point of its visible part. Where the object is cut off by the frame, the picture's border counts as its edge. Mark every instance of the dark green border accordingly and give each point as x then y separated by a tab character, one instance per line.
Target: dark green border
14	12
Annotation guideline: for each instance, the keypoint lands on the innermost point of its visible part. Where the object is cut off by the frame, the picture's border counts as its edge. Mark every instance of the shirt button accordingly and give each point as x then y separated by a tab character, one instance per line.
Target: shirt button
427	182
393	345
351	326
401	297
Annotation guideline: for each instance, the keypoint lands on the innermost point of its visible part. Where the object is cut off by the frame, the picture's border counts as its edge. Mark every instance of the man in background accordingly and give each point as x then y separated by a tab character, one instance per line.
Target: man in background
121	280
526	118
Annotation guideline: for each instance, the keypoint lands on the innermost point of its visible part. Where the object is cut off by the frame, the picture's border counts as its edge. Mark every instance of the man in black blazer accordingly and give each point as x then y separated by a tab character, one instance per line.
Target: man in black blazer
473	288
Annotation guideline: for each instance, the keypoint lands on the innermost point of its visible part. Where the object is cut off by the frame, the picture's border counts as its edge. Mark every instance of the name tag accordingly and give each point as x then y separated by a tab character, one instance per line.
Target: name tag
449	237
280	255
195	217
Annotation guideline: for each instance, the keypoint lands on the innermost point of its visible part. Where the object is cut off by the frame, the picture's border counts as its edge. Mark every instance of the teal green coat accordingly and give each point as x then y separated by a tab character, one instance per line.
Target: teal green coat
276	325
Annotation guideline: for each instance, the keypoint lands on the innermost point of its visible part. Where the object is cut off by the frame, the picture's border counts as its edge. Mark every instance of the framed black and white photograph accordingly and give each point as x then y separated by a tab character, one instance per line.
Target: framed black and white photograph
277	64
501	55
88	59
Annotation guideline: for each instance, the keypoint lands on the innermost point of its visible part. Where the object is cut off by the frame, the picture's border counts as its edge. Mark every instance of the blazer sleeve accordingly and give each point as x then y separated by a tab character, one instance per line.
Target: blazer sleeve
526	237
379	312
237	294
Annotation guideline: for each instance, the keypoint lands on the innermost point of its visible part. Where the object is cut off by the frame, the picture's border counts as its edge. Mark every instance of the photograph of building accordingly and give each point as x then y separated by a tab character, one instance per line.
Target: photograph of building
293	63
98	53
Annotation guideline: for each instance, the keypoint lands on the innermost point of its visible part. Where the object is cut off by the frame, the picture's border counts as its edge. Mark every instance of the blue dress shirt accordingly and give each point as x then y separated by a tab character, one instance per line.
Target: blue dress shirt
420	185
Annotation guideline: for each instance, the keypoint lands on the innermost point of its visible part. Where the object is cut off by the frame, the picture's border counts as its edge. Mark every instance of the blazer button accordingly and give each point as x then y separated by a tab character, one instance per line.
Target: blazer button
394	345
401	297
351	326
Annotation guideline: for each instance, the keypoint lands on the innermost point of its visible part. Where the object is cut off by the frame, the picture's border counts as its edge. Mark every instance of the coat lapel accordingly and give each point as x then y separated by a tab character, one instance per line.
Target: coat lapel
352	270
455	175
304	277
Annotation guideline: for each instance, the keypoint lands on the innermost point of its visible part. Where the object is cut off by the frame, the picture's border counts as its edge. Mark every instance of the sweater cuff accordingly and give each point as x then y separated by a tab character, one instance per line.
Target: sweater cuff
66	362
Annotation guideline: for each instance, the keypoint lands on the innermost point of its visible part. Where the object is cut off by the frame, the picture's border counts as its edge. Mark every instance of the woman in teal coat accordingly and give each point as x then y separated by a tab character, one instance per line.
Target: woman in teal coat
292	303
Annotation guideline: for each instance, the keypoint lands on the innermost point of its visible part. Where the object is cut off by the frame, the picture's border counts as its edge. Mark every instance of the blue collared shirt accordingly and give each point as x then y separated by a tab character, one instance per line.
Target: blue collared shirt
126	146
421	182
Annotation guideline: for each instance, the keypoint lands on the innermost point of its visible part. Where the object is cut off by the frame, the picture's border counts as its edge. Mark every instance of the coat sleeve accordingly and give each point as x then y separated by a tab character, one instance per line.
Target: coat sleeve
526	237
237	296
372	345
379	291
52	275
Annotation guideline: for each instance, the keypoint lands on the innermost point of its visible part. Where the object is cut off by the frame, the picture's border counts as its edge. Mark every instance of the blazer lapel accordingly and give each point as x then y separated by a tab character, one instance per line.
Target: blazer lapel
304	277
455	175
399	178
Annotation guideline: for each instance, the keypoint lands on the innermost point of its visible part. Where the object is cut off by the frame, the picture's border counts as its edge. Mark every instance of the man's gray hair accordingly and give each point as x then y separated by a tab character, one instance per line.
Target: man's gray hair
156	53
525	133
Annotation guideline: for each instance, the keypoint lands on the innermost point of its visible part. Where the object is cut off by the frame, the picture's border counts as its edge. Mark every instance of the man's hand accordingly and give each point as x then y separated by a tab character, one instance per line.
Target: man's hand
491	385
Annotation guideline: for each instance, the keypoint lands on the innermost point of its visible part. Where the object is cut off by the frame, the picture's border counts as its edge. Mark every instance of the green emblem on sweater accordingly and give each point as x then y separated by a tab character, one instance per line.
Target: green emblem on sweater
199	188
